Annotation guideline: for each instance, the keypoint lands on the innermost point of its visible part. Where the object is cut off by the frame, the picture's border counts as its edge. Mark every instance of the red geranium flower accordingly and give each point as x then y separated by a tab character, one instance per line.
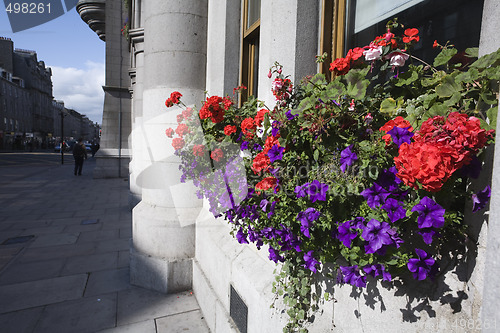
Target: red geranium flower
169	132
266	183
398	122
187	113
178	143
340	66
248	126
411	35
198	150
261	162
229	129
259	118
182	129
217	154
173	99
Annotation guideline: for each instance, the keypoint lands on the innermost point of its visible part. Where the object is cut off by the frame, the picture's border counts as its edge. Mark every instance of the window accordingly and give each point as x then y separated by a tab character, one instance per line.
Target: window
346	24
441	20
250	48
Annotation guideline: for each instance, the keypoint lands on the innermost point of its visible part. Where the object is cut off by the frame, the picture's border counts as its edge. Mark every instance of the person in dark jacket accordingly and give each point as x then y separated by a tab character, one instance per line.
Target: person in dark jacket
79	154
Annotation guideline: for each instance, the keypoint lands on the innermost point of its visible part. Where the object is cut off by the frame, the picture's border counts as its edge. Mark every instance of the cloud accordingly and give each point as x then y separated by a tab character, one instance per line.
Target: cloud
80	89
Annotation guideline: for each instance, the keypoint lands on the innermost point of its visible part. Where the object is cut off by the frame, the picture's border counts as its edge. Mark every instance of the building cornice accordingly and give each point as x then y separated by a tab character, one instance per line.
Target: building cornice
93	12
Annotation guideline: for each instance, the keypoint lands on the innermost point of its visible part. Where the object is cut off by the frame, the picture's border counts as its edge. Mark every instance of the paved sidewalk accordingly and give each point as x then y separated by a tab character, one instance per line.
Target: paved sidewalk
64	260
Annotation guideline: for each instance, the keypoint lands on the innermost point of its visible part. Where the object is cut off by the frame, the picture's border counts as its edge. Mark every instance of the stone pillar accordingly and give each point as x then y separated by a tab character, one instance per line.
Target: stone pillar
113	157
163	222
490	42
136	36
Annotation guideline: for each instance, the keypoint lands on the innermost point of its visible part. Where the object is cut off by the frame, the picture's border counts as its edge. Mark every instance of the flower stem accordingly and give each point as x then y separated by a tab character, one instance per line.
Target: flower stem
425	63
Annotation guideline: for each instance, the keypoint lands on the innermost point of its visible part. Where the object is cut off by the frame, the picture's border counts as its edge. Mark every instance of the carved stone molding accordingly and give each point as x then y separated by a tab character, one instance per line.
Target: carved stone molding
93	13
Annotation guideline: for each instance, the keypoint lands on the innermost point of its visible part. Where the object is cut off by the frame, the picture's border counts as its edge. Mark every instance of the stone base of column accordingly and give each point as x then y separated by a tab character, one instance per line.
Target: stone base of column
111	165
160	274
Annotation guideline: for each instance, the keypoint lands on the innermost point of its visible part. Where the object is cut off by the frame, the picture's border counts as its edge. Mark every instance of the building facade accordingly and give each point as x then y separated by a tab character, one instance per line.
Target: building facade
29	117
195	46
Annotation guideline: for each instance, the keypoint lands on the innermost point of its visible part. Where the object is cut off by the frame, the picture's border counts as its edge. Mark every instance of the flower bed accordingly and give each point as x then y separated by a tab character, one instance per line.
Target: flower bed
363	177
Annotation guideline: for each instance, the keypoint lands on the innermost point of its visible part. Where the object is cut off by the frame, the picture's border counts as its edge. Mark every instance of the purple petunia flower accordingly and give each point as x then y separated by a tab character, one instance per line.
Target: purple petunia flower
430	213
263	204
300	191
241	237
274	255
306	219
275	153
290	116
257	147
311	262
394	210
480	199
346	233
244	145
376	234
275	128
375	195
422	266
316	191
352	276
271	210
347	158
388	179
427	235
400	135
376	270
473	169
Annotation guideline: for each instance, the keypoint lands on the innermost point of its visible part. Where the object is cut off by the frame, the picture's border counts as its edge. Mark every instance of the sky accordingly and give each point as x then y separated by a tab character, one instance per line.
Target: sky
74	53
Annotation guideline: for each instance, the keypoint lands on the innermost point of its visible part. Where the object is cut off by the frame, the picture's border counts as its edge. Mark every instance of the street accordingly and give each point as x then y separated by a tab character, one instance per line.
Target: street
19	165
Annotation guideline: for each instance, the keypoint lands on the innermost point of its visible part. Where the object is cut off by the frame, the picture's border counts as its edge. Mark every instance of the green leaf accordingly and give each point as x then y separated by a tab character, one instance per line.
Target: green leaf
438	109
388	106
407	78
436	77
316	155
472	52
326	295
357	82
489	97
448	87
471	75
492	117
454	99
444	56
486	60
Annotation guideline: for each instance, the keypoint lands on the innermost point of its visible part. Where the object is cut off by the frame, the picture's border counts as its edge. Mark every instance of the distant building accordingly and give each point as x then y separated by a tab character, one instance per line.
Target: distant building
29	117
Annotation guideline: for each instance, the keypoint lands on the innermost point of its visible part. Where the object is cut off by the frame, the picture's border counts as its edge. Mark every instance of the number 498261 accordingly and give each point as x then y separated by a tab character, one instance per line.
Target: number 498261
27	8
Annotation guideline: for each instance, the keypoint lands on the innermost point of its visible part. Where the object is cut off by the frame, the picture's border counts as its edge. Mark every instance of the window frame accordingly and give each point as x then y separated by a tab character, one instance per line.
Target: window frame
249	55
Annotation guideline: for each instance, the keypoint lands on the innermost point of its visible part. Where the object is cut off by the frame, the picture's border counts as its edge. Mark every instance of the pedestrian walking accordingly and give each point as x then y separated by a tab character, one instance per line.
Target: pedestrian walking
79	153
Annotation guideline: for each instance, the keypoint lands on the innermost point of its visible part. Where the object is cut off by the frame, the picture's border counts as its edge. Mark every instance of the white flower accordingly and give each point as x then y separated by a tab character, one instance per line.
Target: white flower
373	53
397	58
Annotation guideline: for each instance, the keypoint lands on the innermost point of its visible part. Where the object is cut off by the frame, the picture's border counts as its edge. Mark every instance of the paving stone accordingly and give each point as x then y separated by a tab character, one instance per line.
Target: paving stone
100	235
183	322
22	272
54	239
54	252
108	281
41	292
88	314
124	258
43	230
82	228
137	304
113	245
90	263
147	326
22	321
125	232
